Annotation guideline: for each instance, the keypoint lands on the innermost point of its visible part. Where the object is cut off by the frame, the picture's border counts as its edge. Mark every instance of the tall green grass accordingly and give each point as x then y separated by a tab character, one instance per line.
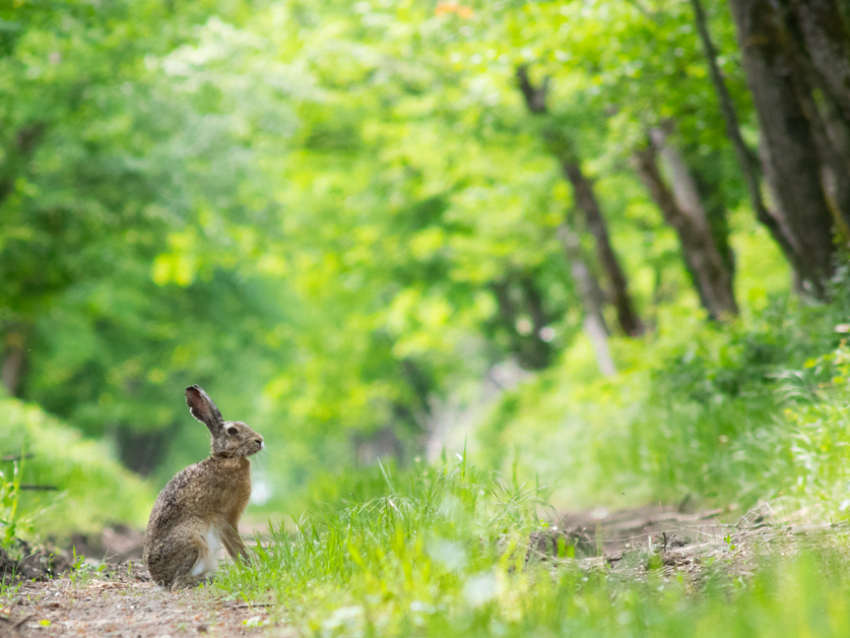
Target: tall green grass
390	561
443	553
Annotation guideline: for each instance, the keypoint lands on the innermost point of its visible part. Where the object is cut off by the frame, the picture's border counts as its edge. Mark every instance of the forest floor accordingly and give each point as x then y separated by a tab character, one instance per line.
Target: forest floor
115	597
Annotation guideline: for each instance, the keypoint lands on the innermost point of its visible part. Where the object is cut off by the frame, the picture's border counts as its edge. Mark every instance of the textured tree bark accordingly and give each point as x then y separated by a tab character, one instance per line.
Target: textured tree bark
683	211
830	128
827	41
838	131
838	128
747	160
592	299
835	177
787	137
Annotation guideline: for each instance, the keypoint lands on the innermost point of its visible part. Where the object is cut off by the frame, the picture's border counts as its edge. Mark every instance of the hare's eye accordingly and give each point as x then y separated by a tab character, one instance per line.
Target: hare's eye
232	431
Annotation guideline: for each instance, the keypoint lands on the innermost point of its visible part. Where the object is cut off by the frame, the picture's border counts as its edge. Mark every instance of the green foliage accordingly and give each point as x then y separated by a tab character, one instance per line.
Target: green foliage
93	489
209	201
10	492
335	217
735	413
339	216
817	411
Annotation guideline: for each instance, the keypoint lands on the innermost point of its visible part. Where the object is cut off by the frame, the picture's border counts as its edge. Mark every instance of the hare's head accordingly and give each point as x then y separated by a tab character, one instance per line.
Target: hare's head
229	438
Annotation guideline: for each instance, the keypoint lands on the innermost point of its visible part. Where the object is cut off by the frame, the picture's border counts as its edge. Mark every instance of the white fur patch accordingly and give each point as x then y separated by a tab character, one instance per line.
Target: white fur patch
207	562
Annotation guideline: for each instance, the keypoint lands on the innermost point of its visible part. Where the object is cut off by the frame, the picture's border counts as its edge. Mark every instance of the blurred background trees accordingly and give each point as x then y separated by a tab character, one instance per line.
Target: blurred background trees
355	224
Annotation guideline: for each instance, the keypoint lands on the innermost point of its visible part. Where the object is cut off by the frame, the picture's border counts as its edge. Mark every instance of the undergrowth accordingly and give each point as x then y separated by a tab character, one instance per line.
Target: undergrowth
10	494
87	488
712	413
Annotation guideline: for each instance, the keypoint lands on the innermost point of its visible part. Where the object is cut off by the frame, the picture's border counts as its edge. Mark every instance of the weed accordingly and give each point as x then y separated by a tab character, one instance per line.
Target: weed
10	490
732	414
82	572
9	586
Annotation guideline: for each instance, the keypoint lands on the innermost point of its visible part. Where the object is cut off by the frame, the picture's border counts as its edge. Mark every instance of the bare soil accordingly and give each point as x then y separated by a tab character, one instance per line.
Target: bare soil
129	610
114	597
631	543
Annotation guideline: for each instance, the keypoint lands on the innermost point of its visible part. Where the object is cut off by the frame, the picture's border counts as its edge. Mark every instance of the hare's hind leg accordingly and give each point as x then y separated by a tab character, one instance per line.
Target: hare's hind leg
171	559
198	560
191	561
185	564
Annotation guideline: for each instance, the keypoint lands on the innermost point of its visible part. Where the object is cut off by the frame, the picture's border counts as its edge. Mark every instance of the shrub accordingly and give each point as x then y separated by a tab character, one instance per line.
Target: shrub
92	488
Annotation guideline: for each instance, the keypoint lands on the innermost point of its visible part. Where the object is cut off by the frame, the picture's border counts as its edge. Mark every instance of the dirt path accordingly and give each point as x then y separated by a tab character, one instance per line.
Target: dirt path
113	597
630	543
126	605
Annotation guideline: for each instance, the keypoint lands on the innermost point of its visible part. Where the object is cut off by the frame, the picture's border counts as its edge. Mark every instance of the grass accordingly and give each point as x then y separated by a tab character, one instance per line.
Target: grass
10	496
443	553
386	560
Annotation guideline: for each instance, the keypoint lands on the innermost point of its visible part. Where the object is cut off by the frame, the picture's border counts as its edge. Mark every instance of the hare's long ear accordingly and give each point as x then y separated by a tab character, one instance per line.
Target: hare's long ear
202	408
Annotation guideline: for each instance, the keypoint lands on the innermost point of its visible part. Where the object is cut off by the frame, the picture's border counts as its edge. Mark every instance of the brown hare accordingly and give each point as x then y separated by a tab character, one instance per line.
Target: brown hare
198	511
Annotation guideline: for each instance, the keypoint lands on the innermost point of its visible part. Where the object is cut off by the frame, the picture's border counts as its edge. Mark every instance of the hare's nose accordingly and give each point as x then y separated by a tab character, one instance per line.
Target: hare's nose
260	443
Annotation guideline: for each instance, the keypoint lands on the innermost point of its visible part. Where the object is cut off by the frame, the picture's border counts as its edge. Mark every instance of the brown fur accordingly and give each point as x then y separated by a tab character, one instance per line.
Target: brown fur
203	501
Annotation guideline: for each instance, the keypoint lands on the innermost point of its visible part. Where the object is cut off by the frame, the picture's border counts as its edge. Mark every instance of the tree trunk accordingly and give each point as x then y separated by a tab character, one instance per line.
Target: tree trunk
14	360
787	136
837	131
533	304
837	128
827	41
683	211
835	178
143	450
592	299
535	100
17	155
747	160
586	201
830	127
